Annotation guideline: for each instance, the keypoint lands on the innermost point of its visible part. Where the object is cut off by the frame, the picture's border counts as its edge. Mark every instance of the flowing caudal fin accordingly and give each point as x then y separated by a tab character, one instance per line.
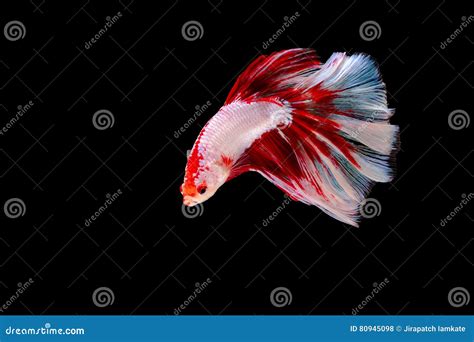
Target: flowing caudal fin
340	141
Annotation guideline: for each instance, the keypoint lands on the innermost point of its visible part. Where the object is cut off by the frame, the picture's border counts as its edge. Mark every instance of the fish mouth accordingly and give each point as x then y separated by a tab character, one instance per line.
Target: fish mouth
189	201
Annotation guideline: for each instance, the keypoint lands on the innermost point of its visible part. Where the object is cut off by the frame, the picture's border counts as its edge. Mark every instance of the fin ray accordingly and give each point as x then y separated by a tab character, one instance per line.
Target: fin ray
339	142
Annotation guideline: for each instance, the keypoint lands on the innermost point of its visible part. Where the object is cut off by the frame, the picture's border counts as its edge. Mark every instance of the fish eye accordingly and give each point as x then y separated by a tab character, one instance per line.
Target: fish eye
202	189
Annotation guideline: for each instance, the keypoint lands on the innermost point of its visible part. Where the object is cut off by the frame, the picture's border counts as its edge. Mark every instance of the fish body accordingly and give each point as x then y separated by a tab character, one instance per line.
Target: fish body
319	132
226	137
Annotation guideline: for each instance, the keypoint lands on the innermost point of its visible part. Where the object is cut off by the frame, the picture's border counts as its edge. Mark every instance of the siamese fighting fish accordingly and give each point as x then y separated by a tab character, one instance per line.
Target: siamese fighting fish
318	131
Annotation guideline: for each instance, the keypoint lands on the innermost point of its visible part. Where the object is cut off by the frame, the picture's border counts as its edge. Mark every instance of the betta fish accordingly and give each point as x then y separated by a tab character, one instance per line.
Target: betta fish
318	131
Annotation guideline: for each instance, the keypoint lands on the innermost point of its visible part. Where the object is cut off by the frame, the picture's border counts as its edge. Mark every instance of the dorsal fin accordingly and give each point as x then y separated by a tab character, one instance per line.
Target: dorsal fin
268	76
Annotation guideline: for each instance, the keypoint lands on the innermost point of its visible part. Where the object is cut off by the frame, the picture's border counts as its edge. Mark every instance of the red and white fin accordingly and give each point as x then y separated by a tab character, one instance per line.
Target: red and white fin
272	75
339	142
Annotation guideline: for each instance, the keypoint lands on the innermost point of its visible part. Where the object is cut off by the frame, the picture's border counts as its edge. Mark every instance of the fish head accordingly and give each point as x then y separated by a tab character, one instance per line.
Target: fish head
202	182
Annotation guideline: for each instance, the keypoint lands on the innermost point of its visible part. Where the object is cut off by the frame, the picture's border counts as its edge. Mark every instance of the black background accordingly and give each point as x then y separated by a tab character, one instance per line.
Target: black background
143	248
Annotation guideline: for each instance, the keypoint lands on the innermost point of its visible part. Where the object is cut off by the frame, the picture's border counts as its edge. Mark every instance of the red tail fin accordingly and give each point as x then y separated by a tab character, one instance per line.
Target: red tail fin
340	141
